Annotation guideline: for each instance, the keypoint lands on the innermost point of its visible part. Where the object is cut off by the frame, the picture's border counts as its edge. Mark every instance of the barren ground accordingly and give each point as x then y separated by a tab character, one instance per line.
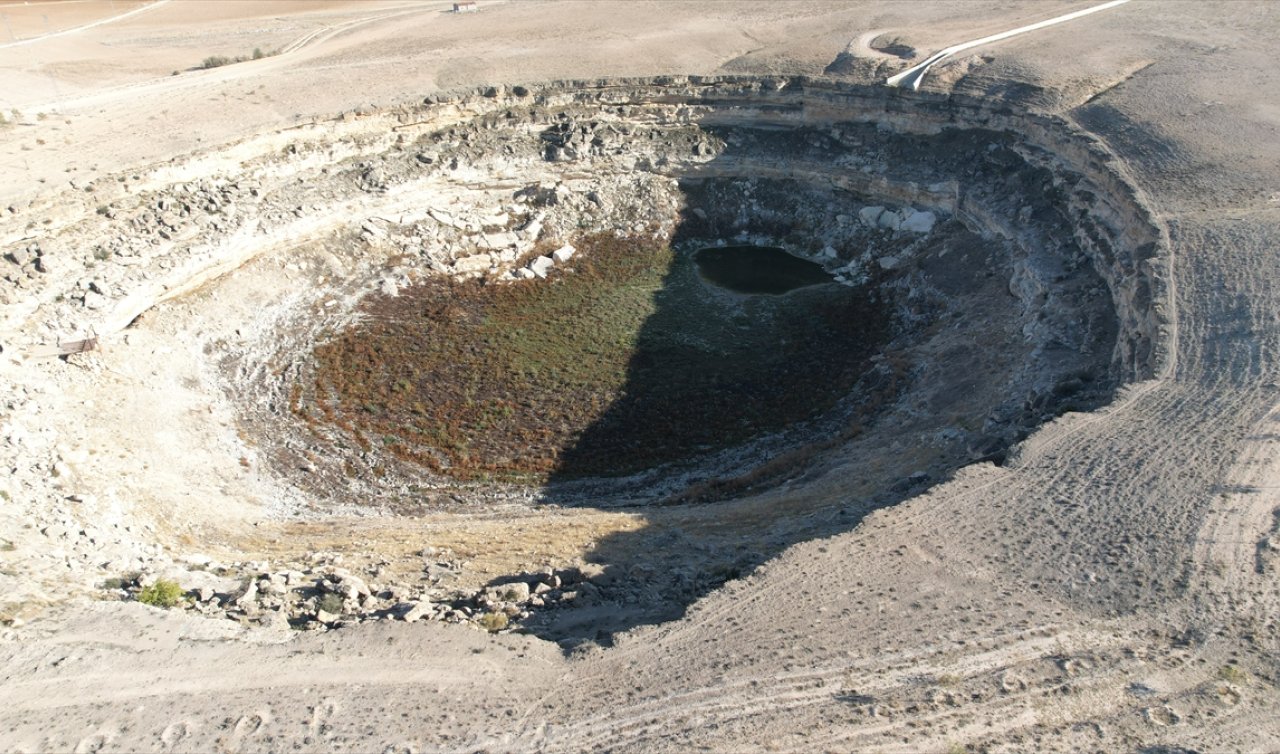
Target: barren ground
1111	586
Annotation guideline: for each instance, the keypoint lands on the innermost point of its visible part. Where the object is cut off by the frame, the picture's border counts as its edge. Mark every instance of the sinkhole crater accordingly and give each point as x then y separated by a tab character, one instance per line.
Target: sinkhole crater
692	289
638	335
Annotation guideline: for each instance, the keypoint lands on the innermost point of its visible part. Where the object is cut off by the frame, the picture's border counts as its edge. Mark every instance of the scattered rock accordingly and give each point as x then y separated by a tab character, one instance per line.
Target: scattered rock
413	612
247	596
499	240
541	266
472	264
889	220
870	216
1162	716
516	591
919	222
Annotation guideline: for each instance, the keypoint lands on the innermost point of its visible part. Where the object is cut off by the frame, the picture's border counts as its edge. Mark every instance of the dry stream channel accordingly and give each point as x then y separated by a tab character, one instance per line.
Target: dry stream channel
737	312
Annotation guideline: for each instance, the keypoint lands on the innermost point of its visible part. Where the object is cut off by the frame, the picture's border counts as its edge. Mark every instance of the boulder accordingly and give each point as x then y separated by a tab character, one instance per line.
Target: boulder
541	266
247	598
919	222
564	253
889	220
472	264
499	240
412	612
870	215
277	620
272	585
353	586
346	585
516	591
532	229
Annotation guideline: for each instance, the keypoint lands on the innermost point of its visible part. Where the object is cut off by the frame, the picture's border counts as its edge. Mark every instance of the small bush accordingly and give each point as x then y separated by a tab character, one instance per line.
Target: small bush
1233	674
163	593
216	61
494	622
330	603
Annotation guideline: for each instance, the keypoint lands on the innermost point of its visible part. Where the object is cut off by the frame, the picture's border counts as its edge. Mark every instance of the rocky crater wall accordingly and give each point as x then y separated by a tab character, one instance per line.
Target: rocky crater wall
229	201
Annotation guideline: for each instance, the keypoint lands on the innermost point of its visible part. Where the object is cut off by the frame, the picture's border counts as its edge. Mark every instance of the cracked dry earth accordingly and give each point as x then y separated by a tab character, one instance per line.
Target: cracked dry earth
447	444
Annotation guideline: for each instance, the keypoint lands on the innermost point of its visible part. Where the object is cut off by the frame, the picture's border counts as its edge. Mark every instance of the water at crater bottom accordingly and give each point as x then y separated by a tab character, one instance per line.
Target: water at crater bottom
757	269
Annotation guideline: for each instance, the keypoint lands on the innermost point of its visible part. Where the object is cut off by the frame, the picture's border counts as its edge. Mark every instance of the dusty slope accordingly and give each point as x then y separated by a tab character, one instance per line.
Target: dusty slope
1088	595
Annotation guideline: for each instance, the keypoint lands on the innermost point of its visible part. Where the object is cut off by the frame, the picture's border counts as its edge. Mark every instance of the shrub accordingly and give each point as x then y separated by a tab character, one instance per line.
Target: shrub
494	622
163	593
216	61
330	603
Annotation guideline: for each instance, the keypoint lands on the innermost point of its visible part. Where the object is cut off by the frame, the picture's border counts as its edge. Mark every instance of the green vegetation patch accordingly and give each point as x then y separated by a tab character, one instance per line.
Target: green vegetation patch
163	593
626	362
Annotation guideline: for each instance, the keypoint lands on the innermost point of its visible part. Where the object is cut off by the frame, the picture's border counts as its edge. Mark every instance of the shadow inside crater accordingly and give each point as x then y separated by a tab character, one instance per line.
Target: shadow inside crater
712	370
726	393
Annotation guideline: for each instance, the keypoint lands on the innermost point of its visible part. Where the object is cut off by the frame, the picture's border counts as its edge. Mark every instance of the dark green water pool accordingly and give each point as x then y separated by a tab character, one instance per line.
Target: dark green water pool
757	269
